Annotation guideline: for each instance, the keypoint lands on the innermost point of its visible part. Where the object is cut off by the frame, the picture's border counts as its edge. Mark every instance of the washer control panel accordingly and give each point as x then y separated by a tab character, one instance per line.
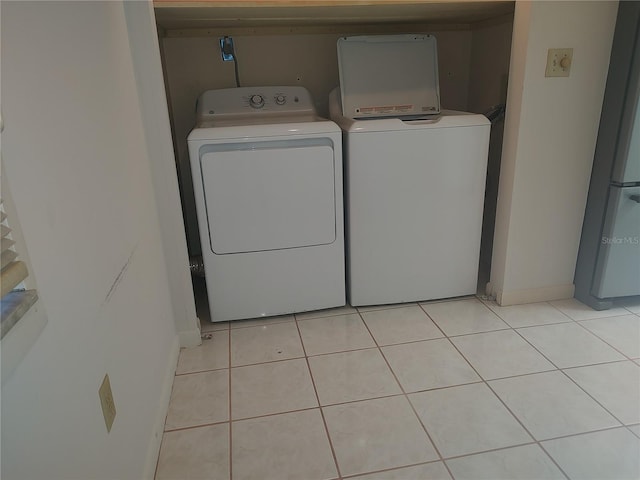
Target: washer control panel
254	101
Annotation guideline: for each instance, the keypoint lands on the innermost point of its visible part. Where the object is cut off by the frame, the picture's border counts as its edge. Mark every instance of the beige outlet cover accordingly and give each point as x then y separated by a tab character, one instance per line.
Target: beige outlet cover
559	62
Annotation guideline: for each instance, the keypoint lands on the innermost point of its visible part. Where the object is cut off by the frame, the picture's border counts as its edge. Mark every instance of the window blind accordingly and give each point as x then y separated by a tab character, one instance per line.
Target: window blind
13	271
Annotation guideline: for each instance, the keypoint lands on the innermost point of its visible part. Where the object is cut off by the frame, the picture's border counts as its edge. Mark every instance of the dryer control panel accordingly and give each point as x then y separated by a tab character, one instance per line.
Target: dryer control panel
254	101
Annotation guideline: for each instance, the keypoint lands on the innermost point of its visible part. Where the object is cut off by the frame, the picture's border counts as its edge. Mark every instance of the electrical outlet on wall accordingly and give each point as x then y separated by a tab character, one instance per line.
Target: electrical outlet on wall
107	403
559	62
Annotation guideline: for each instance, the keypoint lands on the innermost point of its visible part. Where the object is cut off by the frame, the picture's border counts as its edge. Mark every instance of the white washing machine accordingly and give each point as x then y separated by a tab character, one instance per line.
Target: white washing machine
414	203
267	175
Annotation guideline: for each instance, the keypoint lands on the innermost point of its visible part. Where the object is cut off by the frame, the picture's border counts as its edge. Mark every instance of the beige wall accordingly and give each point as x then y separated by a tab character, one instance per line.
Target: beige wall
75	156
550	136
489	66
193	65
488	79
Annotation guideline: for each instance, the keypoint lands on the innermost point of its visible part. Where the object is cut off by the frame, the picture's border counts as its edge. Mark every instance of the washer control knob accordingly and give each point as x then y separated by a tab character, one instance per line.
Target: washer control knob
256	101
280	99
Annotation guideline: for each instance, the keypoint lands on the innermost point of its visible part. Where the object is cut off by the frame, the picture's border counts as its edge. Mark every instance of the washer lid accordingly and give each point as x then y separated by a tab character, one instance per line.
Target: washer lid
388	75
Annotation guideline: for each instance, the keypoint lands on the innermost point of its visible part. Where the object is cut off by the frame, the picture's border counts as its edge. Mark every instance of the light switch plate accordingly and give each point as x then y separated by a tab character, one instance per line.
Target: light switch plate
559	62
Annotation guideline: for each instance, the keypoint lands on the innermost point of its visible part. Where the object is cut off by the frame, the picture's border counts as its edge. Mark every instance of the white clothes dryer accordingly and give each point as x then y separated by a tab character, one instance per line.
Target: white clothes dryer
267	176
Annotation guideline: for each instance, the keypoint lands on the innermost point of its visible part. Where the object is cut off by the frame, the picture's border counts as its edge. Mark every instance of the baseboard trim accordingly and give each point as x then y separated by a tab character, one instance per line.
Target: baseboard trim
162	407
190	338
532	295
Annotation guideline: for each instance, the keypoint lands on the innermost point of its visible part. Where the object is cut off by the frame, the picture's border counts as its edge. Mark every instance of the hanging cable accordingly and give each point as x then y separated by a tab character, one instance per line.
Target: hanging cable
235	67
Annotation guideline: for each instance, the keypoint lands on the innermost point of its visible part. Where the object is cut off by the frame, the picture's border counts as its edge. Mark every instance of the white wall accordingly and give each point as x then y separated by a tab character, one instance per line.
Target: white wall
550	135
75	155
145	51
193	65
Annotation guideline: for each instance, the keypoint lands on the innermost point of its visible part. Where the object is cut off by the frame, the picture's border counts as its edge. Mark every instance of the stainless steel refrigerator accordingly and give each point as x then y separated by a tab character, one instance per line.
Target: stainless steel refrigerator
608	265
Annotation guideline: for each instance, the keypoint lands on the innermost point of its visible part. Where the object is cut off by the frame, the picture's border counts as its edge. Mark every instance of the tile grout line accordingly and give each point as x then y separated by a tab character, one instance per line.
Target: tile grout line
482	380
328	315
279	360
553	460
582	320
517	331
401	392
444	335
571	435
557	368
361	349
571	320
608	362
391	469
602	339
593	398
406	397
239	327
528	327
267	415
382	308
564	373
491	450
324	420
506	327
379	347
200	425
628	427
557	309
433	461
486	383
528	374
507	407
196	372
562	370
568	319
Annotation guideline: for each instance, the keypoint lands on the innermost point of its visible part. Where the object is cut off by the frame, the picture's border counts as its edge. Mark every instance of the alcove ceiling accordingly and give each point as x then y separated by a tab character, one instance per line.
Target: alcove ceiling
187	14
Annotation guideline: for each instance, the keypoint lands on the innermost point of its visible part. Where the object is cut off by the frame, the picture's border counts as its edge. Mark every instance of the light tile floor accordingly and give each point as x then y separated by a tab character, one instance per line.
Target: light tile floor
461	389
